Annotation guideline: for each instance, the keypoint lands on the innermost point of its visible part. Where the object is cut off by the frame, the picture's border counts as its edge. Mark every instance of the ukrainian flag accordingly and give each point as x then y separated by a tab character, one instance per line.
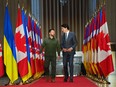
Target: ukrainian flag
9	49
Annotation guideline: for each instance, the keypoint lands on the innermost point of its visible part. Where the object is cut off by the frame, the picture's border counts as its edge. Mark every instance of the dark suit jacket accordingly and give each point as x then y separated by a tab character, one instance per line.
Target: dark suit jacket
70	42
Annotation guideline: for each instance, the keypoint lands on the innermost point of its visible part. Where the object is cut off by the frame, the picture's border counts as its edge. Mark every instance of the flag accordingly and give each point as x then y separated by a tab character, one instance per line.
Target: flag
35	49
31	46
20	40
37	59
1	62
42	54
38	34
91	46
89	28
85	48
94	46
10	60
98	21
25	22
104	48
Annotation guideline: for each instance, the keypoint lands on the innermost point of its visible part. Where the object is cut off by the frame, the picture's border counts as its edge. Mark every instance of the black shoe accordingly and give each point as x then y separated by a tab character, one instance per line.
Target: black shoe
65	80
71	80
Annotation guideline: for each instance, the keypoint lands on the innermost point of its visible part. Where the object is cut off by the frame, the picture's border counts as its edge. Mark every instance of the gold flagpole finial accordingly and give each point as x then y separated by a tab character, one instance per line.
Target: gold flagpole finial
38	23
6	2
86	24
18	4
95	13
104	3
25	11
32	17
35	20
40	27
22	6
29	14
101	6
90	20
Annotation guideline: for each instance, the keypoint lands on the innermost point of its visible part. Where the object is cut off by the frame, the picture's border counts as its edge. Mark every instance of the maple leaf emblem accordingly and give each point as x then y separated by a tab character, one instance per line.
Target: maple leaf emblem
20	42
104	41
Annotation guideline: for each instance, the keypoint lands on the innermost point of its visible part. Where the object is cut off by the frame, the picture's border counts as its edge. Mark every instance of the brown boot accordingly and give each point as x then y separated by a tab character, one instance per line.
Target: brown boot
47	78
53	80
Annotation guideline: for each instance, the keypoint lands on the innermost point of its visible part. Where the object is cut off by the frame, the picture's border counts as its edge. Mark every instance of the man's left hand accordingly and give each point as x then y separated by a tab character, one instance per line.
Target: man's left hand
70	49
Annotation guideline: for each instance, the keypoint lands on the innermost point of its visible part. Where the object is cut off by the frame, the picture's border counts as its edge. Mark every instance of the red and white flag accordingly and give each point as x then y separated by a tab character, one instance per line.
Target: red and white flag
32	61
20	40
42	54
36	50
1	62
104	48
40	60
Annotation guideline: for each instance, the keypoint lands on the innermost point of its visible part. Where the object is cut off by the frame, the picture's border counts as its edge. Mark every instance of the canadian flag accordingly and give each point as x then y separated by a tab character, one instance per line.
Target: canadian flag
104	49
42	54
30	45
20	40
38	41
36	50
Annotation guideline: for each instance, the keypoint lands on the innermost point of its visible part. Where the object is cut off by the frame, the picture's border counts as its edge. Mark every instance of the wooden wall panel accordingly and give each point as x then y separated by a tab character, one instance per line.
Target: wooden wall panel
53	14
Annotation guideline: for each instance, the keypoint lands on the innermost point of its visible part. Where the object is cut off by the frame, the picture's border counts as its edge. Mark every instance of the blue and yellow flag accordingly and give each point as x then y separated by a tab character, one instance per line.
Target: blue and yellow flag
9	49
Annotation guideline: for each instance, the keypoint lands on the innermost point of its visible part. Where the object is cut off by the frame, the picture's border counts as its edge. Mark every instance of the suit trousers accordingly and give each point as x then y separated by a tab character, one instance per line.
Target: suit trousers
68	62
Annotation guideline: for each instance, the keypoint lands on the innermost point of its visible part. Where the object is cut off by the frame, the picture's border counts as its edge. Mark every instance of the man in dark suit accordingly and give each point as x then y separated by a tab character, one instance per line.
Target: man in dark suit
68	45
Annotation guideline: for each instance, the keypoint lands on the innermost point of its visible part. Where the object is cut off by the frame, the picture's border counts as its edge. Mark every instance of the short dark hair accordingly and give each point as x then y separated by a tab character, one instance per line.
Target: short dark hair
50	30
65	26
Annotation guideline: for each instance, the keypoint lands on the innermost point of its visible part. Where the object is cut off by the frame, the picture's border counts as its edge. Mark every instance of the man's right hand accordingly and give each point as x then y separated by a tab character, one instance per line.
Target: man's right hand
58	58
64	49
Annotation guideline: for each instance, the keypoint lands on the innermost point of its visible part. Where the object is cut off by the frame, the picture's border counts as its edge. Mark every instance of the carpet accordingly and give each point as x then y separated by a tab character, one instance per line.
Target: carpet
79	81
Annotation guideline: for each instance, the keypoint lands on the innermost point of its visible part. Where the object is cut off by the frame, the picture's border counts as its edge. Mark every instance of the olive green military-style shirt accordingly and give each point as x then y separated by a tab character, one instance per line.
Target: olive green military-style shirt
50	46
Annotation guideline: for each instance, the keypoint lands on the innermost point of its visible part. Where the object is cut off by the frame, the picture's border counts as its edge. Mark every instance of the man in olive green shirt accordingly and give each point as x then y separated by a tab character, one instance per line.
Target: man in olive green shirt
50	46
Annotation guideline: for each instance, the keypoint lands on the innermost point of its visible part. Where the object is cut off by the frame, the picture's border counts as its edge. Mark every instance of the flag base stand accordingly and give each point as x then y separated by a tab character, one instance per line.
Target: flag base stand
98	79
21	83
10	83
